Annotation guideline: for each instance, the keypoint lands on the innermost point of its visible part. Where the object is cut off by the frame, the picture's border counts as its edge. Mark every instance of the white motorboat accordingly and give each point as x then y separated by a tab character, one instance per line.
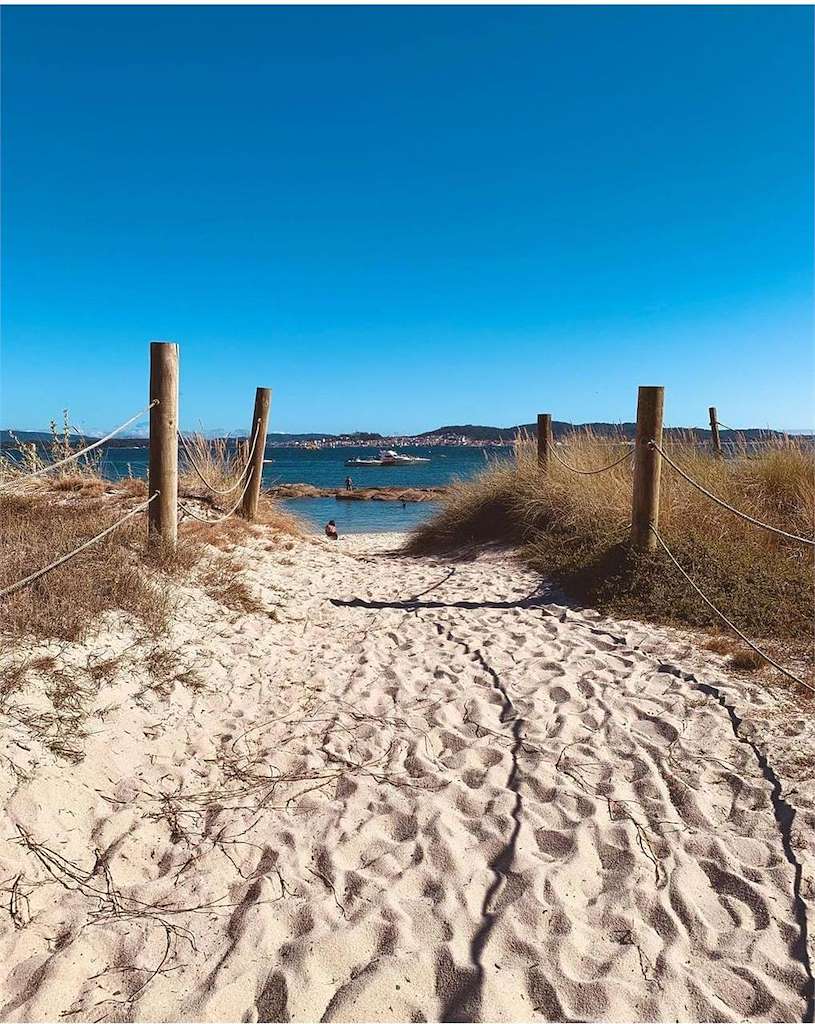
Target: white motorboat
392	458
388	457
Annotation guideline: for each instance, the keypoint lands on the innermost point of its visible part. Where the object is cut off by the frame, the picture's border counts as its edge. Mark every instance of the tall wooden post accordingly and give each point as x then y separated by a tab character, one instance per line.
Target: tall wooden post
647	468
163	471
714	430
260	418
545	441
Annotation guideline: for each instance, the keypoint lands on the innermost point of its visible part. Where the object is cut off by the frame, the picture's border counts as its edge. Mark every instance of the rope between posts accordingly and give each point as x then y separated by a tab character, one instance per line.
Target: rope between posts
735	430
218	519
727	621
85	450
589	472
206	483
14	587
724	504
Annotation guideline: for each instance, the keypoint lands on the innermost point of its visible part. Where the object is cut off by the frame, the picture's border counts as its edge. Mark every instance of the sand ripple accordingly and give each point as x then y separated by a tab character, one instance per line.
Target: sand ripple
430	791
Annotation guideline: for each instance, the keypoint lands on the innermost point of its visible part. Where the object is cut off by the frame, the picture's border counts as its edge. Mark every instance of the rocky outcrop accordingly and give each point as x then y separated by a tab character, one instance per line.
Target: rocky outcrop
358	494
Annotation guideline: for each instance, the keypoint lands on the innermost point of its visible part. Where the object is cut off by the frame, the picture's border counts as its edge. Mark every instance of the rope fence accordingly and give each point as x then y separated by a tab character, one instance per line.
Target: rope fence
82	451
746	443
645	535
14	587
203	479
218	519
590	472
724	618
165	435
724	504
162	505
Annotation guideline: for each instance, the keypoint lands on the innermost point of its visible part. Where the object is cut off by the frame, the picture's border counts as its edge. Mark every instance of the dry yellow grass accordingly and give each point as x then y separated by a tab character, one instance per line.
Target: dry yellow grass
574	529
121	572
219	462
35	529
50	698
132	486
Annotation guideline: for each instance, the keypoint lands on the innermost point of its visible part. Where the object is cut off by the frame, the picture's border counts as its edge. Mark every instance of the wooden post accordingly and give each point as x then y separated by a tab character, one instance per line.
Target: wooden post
647	468
163	471
714	430
545	441
260	417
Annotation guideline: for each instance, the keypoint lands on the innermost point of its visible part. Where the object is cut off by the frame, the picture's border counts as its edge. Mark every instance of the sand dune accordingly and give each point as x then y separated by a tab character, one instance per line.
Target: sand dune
419	790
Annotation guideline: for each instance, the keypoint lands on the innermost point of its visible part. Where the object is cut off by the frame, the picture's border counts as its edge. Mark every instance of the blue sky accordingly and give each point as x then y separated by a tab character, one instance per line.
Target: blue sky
399	217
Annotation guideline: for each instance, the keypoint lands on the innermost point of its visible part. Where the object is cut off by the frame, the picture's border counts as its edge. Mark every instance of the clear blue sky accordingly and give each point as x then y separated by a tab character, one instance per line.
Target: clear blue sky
399	217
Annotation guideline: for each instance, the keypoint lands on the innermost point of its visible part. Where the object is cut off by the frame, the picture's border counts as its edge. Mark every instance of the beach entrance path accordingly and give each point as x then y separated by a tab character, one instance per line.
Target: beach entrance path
413	789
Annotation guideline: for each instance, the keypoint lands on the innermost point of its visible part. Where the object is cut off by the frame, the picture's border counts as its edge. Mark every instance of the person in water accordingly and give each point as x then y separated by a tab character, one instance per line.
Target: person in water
331	529
349	484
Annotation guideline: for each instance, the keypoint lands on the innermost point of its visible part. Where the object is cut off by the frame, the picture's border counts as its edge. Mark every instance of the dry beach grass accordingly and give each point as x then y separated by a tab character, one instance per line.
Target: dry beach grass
54	513
573	529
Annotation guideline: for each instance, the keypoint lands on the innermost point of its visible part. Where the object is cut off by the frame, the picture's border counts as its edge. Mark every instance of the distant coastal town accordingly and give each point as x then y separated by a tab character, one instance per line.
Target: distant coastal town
460	436
393	441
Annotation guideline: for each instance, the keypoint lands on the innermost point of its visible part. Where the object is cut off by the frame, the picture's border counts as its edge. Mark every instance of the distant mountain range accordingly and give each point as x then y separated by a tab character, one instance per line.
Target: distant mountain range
560	428
471	432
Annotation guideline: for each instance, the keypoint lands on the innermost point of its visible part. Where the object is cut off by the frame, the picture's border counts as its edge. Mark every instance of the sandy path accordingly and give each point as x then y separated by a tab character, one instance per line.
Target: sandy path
475	805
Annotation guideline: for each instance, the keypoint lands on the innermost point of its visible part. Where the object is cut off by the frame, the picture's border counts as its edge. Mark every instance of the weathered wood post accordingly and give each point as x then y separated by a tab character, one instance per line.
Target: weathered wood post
260	418
647	468
714	430
545	441
163	471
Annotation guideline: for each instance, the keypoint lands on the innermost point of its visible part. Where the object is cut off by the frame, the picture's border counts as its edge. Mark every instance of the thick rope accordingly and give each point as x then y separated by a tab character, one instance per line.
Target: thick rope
203	479
727	621
84	451
741	430
61	561
724	504
753	444
589	472
218	519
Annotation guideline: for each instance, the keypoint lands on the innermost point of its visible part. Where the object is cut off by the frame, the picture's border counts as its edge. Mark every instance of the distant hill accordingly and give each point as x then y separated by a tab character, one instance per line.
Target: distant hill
43	437
560	428
473	432
24	435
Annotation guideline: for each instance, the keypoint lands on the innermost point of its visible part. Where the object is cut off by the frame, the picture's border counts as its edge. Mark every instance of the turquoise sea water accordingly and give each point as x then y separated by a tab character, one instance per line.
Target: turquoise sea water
326	468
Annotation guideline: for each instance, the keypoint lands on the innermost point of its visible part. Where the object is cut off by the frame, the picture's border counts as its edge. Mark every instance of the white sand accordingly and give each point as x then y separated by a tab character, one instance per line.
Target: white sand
466	808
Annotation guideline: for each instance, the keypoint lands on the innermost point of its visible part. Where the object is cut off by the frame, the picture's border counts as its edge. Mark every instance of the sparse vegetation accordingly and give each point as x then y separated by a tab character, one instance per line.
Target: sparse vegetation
49	697
574	530
57	512
219	461
63	442
35	529
222	578
120	572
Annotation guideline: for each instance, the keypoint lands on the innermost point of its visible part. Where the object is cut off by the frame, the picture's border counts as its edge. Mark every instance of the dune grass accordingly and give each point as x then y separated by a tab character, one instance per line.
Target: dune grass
47	693
44	518
220	468
574	530
35	529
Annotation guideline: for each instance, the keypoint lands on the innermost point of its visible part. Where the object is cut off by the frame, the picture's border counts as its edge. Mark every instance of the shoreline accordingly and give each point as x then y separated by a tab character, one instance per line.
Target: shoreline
403	494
